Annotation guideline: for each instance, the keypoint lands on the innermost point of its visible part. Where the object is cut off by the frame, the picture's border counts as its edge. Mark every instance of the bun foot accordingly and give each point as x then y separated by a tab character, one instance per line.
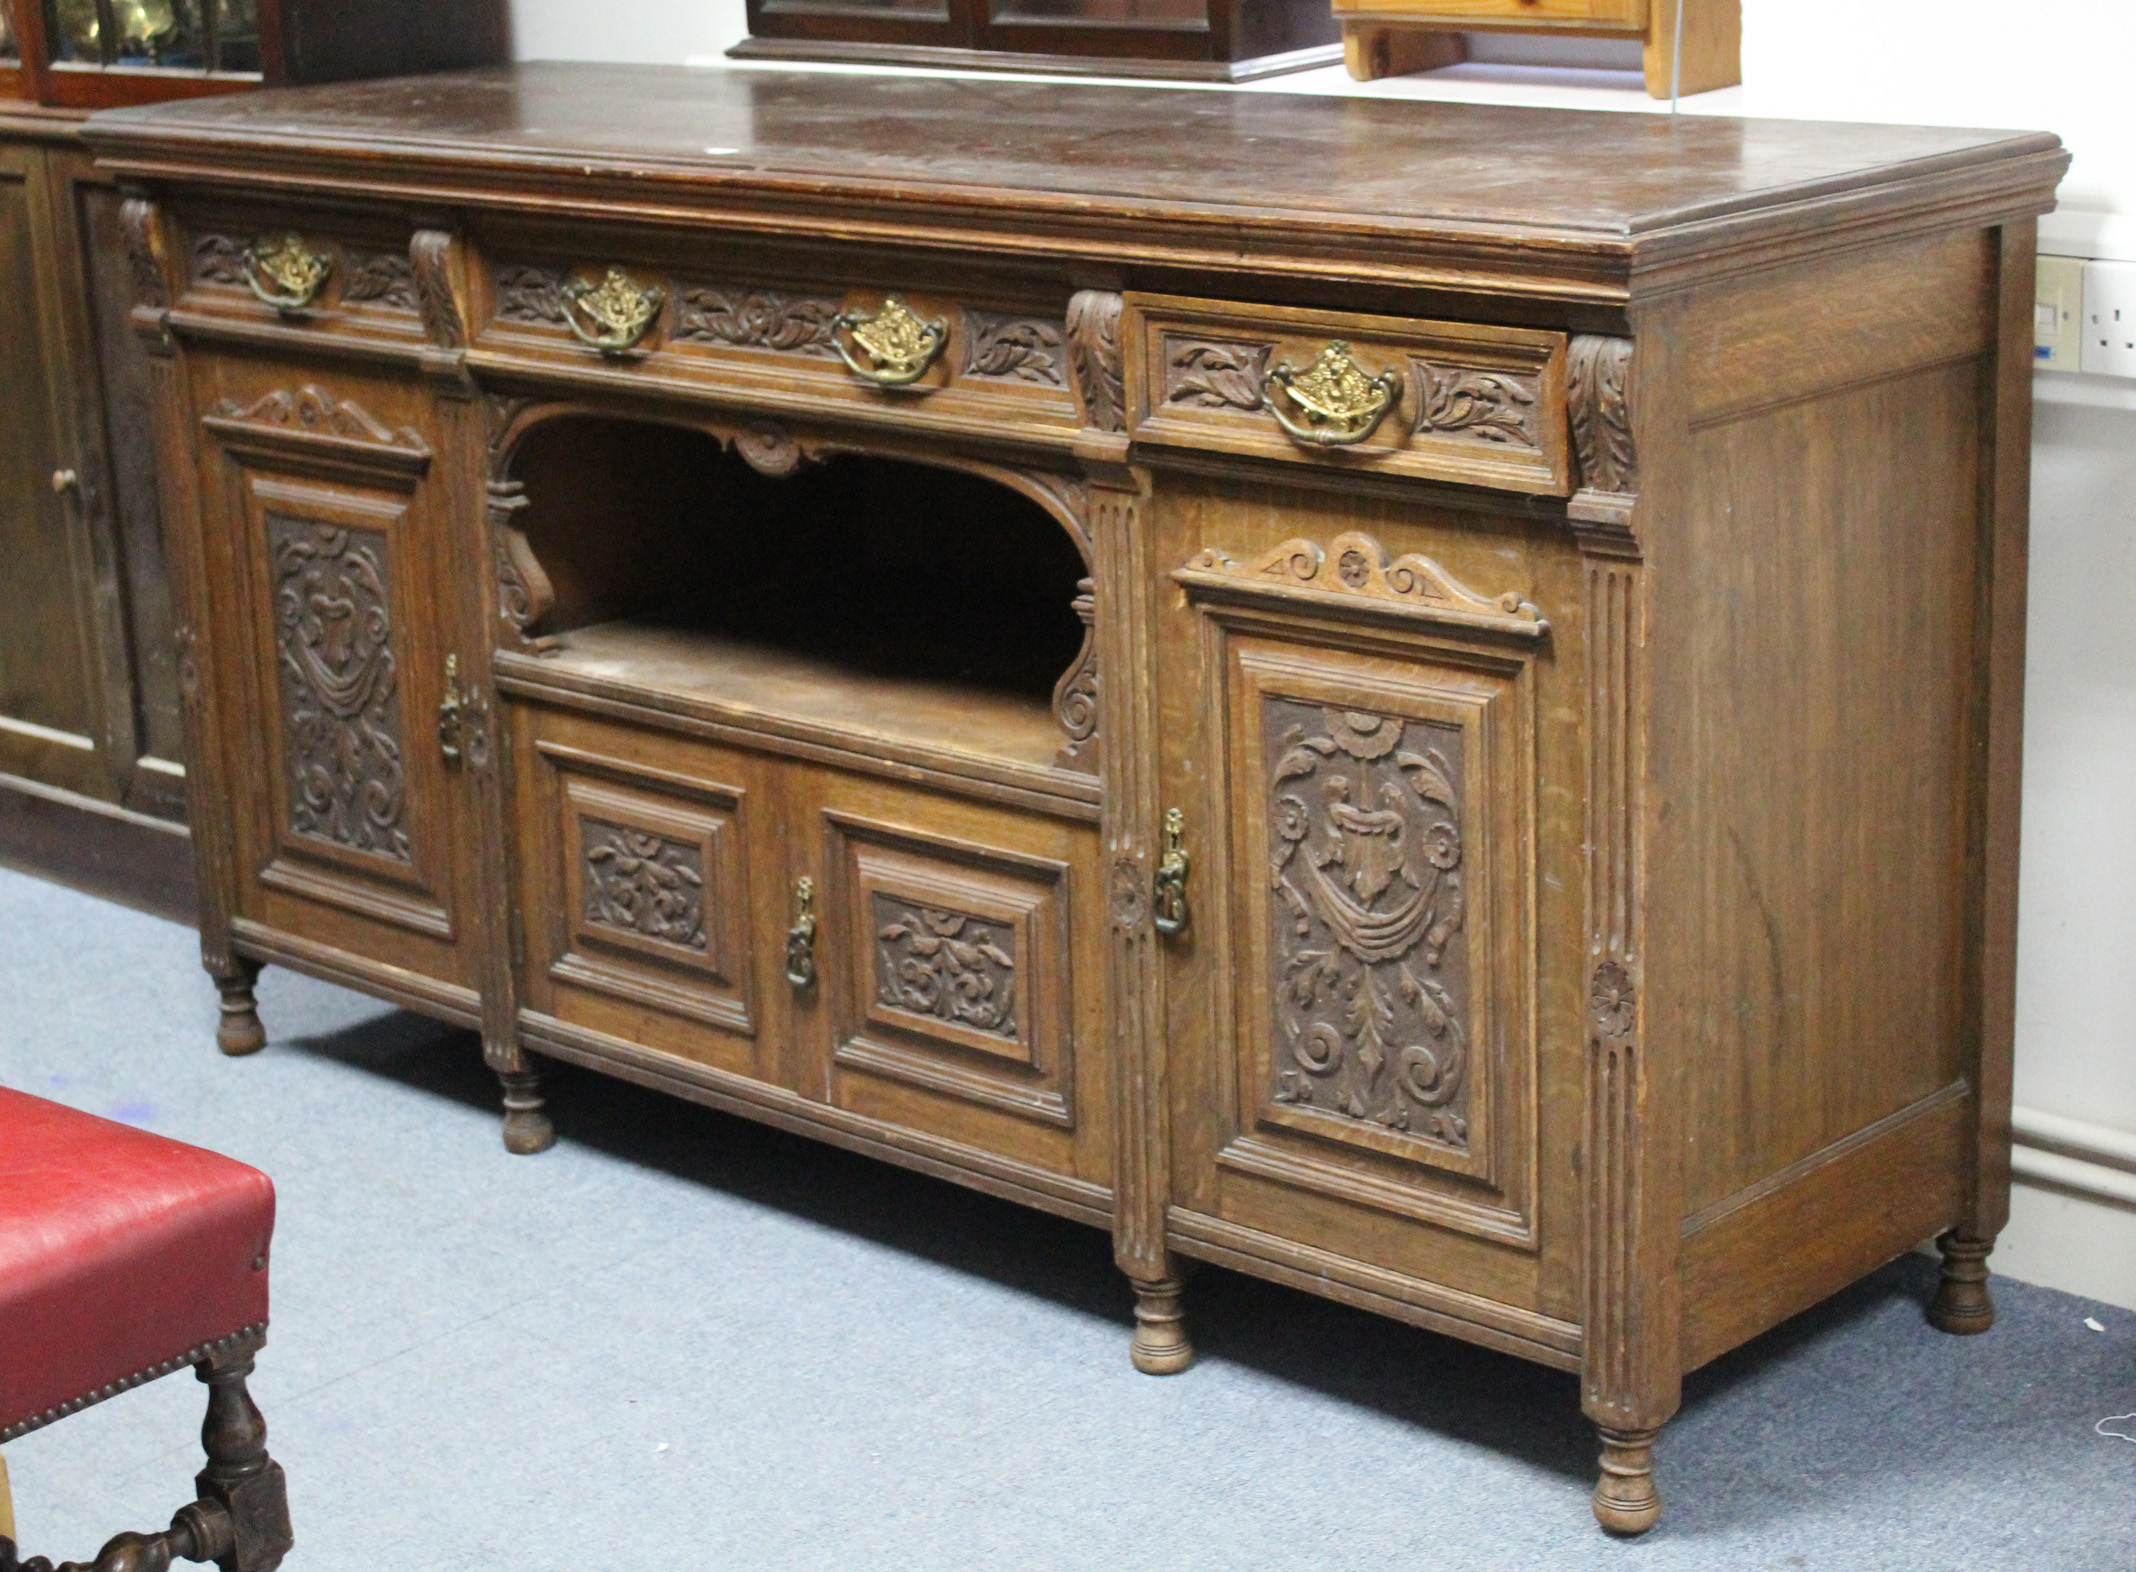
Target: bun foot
1625	1499
1161	1346
1962	1305
527	1129
239	1032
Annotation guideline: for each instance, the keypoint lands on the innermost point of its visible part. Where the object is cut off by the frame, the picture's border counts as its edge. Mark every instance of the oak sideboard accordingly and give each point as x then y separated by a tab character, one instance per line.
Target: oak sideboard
1417	699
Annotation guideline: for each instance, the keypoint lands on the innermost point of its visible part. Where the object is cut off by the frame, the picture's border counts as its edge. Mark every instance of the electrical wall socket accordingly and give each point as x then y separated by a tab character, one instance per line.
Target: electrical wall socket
2110	319
2058	313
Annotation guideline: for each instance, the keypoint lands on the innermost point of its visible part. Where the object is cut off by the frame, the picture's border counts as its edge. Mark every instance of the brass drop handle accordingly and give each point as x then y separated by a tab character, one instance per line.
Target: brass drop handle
1168	898
1341	405
899	347
286	273
64	481
613	315
801	938
449	713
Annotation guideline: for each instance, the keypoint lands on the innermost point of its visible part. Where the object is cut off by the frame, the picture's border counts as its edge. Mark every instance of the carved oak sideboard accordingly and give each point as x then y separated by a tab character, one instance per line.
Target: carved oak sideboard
1420	700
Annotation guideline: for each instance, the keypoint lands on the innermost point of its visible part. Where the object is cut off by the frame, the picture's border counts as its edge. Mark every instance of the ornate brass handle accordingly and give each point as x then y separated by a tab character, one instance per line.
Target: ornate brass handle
801	937
618	310
899	346
449	720
64	481
1341	404
285	272
1168	900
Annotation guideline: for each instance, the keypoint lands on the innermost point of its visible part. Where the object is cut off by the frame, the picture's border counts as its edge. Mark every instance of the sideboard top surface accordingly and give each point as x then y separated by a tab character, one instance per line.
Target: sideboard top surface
1087	155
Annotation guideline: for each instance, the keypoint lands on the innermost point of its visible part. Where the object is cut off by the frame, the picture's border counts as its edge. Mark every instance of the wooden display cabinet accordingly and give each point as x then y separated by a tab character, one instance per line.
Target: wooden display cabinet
1420	700
92	779
1394	37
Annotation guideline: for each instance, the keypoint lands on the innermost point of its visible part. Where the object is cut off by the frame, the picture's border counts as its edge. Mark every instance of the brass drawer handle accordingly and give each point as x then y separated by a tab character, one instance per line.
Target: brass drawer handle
899	346
286	273
1168	900
613	315
1341	404
801	938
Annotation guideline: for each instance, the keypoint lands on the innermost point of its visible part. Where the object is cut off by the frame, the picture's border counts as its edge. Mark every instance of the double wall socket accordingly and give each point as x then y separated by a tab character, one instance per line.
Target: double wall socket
2109	319
2058	313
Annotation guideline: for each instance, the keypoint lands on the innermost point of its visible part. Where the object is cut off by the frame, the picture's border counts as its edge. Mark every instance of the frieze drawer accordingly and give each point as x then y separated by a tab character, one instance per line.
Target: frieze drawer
1452	401
336	275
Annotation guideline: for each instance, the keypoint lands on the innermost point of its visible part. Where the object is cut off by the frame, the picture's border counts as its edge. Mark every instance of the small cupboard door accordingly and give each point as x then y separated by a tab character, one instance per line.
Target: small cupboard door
1349	738
332	627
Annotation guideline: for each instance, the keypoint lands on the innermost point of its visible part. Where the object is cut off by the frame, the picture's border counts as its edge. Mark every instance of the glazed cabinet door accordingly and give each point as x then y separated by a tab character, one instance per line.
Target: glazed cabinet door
344	723
1350	741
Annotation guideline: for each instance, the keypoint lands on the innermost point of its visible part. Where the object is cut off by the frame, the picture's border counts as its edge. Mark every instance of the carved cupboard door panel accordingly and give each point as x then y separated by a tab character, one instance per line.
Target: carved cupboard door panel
1349	739
327	547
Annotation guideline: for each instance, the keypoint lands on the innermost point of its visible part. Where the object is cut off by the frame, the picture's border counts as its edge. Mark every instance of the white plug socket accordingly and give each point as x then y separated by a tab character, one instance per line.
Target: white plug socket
2058	313
2110	319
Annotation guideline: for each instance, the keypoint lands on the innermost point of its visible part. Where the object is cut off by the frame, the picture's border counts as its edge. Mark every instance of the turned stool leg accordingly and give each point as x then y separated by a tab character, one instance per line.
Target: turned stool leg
1161	1345
1962	1305
240	1031
1625	1499
527	1129
240	1476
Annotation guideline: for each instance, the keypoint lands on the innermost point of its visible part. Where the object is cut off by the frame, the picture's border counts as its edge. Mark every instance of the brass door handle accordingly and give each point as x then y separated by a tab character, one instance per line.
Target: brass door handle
286	273
64	481
613	315
898	345
1341	405
801	938
1169	912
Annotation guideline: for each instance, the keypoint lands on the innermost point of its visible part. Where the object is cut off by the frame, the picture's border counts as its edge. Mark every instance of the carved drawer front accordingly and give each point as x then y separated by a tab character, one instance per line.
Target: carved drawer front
792	344
1447	401
311	272
952	969
650	871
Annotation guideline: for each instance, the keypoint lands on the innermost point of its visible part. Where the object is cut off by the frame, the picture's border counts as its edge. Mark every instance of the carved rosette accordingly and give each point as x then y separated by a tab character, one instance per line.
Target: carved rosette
1485	406
340	703
644	884
1370	957
1013	349
945	964
1094	353
1204	373
757	319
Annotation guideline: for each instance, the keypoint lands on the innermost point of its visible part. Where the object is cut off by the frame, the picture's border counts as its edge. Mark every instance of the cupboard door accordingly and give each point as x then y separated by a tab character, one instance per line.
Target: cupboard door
334	622
1350	741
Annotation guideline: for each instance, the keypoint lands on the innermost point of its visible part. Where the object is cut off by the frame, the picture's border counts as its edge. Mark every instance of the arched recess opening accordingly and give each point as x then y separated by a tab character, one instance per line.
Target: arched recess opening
850	582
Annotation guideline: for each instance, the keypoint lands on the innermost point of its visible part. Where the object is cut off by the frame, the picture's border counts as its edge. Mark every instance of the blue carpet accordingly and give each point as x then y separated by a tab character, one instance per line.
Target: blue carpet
681	1341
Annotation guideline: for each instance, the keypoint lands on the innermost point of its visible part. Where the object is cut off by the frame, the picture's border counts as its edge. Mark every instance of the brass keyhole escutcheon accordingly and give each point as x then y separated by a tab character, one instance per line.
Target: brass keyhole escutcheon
1169	911
801	938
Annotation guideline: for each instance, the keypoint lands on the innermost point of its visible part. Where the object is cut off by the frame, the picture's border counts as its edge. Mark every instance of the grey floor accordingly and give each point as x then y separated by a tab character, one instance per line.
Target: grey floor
680	1341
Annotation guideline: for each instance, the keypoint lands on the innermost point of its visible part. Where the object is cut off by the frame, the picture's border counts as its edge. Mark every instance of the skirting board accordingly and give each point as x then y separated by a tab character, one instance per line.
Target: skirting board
97	847
2073	1209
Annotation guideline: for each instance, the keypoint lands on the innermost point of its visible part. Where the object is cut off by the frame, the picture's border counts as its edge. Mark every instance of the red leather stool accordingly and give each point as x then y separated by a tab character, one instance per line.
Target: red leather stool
124	1257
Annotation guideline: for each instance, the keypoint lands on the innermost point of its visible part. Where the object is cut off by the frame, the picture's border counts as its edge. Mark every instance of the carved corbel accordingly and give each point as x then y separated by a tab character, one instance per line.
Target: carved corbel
1094	355
524	593
430	253
1599	397
1075	698
141	229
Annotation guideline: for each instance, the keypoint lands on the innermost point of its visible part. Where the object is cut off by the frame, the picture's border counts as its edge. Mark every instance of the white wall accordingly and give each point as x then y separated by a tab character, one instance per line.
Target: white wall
2061	65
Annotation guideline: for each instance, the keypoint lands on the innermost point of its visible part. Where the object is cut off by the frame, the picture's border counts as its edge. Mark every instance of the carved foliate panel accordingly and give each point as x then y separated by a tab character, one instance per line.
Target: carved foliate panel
746	318
947	964
341	718
643	883
1014	349
385	278
1367	900
1481	406
1213	374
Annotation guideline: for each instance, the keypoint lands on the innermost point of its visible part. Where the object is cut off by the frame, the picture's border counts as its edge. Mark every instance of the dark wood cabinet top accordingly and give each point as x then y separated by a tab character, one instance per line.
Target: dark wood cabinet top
1090	157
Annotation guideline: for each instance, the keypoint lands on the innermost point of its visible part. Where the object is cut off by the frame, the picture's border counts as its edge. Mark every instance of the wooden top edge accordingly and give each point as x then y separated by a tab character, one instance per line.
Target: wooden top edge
1103	149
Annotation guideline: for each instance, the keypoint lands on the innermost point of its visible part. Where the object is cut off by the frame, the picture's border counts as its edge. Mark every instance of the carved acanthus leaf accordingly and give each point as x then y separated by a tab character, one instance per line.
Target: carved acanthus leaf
386	277
757	319
1017	349
1489	406
530	294
1205	374
144	252
1357	566
1094	351
1599	392
430	254
219	259
946	964
643	884
314	410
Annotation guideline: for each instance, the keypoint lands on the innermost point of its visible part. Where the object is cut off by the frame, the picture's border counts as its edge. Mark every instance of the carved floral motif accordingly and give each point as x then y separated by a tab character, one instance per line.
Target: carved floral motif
219	259
1613	1002
757	319
530	294
1204	374
340	707
1371	963
945	964
1017	349
1486	405
644	884
387	277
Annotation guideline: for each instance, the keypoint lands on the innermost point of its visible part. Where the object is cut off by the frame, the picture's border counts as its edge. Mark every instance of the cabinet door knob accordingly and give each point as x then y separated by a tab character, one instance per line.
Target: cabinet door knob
801	938
1168	900
64	481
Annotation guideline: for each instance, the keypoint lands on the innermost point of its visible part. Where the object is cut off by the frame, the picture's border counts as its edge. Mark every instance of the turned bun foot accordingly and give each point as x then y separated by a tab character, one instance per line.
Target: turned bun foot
527	1129
1962	1305
1161	1346
1625	1500
239	1032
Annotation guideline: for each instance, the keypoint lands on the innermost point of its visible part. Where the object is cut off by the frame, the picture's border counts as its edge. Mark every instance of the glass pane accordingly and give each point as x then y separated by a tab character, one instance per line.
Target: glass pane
158	33
1106	13
933	10
237	35
71	31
